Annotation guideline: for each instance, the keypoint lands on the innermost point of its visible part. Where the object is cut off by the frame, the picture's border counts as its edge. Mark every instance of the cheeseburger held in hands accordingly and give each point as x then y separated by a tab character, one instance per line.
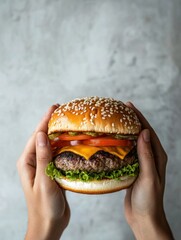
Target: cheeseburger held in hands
94	145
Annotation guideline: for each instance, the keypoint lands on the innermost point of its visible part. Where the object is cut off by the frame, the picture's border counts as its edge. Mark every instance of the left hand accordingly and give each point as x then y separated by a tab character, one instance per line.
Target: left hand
48	210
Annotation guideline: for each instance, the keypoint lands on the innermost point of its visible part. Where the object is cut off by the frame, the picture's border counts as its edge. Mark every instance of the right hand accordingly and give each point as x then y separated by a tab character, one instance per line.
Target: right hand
144	209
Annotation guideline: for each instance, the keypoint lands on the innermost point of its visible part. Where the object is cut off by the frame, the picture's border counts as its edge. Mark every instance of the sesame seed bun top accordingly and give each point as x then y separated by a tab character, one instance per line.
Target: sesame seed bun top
95	114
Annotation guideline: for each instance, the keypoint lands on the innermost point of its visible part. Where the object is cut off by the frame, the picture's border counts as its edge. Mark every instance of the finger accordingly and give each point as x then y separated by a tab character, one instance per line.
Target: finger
43	157
159	152
145	124
26	169
145	156
42	126
67	208
26	164
65	197
127	201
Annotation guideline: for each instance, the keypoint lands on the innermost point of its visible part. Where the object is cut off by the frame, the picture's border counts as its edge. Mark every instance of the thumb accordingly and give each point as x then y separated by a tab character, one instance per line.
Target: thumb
43	155
145	155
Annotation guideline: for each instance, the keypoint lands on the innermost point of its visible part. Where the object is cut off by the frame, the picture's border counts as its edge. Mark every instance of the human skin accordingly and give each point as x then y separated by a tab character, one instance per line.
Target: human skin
48	210
144	210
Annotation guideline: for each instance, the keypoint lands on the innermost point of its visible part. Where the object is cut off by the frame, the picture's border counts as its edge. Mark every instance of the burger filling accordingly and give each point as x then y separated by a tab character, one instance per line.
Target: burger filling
95	157
100	161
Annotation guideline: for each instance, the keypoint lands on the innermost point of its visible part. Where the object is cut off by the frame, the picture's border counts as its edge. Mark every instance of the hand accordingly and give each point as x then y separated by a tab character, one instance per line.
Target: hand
144	209
48	210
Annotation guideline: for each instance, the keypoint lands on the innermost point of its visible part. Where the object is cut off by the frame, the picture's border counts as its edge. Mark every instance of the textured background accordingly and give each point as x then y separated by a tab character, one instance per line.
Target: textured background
54	50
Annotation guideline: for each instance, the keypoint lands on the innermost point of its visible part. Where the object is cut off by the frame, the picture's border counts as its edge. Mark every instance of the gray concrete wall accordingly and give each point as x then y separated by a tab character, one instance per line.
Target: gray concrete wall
55	50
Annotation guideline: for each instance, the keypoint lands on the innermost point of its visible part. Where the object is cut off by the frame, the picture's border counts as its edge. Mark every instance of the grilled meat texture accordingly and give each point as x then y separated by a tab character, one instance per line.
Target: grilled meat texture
100	161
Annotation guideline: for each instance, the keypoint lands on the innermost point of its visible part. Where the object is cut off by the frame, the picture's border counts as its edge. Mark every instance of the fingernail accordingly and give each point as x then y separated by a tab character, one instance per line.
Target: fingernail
146	135
41	139
129	104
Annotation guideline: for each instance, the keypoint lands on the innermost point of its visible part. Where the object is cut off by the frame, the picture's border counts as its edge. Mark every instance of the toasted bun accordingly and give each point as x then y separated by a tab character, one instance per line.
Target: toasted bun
94	114
96	187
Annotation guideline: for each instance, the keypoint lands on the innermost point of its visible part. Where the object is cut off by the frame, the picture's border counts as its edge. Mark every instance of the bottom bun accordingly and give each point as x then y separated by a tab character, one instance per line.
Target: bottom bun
96	187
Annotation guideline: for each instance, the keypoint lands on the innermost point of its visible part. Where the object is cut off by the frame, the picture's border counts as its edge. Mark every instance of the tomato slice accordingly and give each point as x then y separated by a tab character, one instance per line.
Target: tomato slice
67	137
106	141
60	144
67	140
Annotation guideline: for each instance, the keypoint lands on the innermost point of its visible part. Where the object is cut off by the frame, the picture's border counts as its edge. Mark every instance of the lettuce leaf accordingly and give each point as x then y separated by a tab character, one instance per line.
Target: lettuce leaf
129	170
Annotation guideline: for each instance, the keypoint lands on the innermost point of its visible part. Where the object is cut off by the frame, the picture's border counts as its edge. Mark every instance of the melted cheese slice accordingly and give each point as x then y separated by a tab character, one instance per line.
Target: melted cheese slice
88	151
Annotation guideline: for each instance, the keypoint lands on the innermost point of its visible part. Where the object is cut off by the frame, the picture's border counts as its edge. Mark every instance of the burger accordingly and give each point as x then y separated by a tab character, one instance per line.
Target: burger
93	141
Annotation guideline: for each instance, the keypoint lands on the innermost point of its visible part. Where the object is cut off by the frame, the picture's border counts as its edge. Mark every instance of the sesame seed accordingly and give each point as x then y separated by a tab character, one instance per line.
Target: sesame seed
99	106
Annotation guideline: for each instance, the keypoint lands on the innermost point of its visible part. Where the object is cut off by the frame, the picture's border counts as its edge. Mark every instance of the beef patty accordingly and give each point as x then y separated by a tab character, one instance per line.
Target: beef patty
100	161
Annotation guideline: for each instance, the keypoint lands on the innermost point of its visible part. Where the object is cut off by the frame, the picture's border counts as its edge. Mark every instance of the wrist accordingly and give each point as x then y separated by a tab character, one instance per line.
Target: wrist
44	230
147	228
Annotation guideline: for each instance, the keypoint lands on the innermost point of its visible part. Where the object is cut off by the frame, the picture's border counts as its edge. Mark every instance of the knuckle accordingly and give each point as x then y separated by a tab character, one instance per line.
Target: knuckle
44	158
164	157
19	163
33	134
151	182
148	154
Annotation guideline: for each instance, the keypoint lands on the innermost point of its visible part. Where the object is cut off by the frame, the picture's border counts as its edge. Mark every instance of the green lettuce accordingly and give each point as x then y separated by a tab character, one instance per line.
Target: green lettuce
129	170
